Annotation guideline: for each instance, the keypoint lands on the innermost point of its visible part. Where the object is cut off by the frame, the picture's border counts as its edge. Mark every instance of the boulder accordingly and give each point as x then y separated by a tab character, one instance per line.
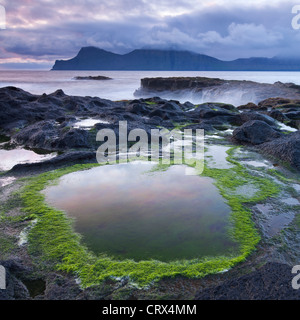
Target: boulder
277	115
286	149
255	132
252	115
210	110
293	115
273	102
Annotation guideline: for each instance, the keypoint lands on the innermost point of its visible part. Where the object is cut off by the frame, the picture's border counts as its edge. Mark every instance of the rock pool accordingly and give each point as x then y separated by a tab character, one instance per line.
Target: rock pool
133	211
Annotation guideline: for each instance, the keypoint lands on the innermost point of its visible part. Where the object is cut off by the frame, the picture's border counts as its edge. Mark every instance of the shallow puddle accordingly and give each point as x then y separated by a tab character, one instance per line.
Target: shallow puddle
87	123
279	222
10	158
35	287
131	211
296	187
291	201
257	164
274	221
216	157
6	181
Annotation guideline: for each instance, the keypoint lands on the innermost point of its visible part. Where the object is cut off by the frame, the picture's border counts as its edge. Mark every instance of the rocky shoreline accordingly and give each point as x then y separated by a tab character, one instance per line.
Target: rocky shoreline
48	122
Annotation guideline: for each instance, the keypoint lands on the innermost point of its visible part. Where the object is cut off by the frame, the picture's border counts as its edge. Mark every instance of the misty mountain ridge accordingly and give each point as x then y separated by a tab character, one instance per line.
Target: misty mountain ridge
92	58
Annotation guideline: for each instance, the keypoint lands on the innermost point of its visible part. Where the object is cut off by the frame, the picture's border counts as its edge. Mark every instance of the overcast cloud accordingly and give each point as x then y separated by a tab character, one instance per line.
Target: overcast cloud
42	30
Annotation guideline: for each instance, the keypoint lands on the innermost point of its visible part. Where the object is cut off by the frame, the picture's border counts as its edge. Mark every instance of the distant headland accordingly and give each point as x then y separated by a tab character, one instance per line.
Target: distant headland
92	58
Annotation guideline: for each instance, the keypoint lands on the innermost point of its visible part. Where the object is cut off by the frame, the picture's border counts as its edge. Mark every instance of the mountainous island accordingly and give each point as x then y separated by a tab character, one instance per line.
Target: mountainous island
92	58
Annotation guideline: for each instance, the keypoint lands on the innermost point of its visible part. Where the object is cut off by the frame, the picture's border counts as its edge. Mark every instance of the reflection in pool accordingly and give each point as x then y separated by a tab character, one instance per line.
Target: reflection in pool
129	211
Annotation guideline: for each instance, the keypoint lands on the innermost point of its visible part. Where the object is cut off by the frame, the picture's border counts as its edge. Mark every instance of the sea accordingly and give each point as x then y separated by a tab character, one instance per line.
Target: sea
123	84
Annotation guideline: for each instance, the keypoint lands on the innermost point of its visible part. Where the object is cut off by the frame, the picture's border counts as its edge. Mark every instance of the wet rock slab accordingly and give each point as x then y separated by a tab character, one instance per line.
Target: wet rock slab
270	282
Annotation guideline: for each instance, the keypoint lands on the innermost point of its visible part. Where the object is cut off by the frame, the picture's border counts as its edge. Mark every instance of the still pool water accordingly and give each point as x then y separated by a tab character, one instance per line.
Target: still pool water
131	211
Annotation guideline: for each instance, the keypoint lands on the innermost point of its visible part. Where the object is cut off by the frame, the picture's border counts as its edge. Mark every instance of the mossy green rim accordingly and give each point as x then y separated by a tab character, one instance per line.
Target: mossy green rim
52	240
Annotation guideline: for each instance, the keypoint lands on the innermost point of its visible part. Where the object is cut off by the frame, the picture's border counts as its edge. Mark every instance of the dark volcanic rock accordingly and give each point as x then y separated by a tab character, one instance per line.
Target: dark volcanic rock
15	288
210	110
280	103
277	115
58	93
207	127
255	132
294	124
73	139
270	282
250	106
65	159
61	288
223	121
179	83
48	135
286	149
215	115
159	113
169	111
19	108
171	107
207	113
139	108
249	91
295	115
42	135
252	115
93	78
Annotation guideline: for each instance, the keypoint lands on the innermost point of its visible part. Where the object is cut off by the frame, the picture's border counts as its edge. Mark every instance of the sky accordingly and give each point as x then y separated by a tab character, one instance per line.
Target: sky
40	31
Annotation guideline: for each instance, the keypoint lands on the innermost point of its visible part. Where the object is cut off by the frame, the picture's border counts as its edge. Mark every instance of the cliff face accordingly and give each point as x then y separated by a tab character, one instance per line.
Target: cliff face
91	58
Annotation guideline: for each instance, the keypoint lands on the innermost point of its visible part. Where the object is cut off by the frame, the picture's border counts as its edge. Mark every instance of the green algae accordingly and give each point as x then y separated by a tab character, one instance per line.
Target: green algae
53	243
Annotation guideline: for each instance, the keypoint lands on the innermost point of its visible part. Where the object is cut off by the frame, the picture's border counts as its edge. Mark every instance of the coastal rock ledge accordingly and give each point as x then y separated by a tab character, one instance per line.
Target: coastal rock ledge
249	91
